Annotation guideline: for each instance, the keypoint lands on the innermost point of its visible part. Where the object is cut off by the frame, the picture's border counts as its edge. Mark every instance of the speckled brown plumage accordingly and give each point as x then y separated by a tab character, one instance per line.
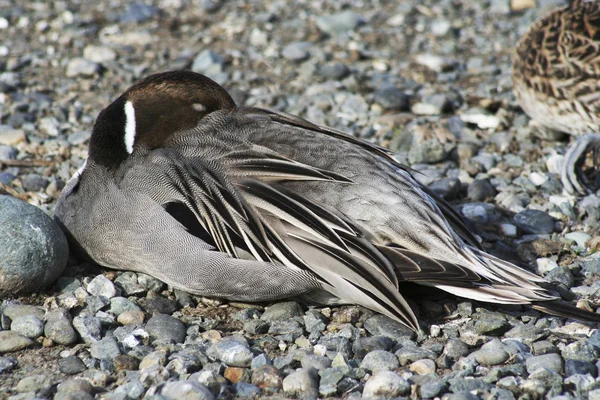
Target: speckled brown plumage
556	69
556	79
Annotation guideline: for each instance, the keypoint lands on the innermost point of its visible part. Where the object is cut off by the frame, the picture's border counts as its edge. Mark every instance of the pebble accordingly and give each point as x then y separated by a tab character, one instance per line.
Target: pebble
102	286
534	222
188	390
480	190
379	360
391	98
33	249
581	238
11	137
551	361
99	54
81	67
267	377
282	311
28	325
59	328
39	384
380	325
232	353
339	23
490	357
74	385
335	71
422	367
13	341
71	365
166	329
386	384
581	350
105	349
88	327
301	383
297	51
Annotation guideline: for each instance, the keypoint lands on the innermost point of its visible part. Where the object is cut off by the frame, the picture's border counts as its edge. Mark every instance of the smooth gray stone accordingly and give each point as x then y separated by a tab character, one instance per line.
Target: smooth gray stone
33	249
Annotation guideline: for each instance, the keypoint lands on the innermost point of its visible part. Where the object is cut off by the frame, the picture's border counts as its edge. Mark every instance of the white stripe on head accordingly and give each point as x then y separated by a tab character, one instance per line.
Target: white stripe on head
129	126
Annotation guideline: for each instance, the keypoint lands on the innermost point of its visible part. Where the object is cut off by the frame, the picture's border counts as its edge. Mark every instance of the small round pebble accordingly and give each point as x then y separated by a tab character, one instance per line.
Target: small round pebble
489	357
386	384
534	222
59	327
301	383
102	286
232	353
33	249
423	367
12	341
379	360
188	390
28	325
165	328
71	365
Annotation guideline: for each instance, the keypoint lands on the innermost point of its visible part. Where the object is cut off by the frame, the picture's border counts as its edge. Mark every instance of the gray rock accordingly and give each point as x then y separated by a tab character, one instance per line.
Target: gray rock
74	385
119	305
490	357
534	222
102	286
315	322
386	384
59	327
380	325
436	104
283	310
552	362
466	385
138	12
247	390
561	275
526	333
412	353
491	324
28	325
187	390
481	189
330	378
105	349
12	341
339	23
33	249
577	367
311	361
128	283
14	311
71	365
259	361
391	98
431	389
50	126
81	67
364	345
448	188
455	349
98	54
582	351
39	384
297	51
8	152
301	383
256	326
335	71
379	360
88	327
166	329
7	364
231	352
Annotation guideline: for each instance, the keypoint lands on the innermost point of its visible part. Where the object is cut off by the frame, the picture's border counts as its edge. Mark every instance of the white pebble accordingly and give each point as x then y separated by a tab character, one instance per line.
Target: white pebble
508	230
538	179
545	265
581	238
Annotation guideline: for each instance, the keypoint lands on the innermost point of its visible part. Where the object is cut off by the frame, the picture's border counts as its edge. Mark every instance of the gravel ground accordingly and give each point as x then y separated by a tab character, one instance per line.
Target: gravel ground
426	78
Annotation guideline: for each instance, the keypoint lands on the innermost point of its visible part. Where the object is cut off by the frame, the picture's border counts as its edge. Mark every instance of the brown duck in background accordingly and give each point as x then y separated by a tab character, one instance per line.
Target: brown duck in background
556	79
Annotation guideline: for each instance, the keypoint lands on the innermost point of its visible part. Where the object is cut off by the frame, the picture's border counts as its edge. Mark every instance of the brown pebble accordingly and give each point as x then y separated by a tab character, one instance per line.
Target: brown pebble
132	317
234	374
124	362
267	377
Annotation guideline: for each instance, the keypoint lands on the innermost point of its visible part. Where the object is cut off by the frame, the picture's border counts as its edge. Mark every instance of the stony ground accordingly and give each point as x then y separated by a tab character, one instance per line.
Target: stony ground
426	78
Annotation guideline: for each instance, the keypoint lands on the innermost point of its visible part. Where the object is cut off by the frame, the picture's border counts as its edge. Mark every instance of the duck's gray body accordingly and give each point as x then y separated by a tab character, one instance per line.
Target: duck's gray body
290	209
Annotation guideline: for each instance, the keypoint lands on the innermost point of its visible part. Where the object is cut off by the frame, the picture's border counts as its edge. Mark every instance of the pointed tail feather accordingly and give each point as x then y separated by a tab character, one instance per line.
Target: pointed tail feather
566	310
